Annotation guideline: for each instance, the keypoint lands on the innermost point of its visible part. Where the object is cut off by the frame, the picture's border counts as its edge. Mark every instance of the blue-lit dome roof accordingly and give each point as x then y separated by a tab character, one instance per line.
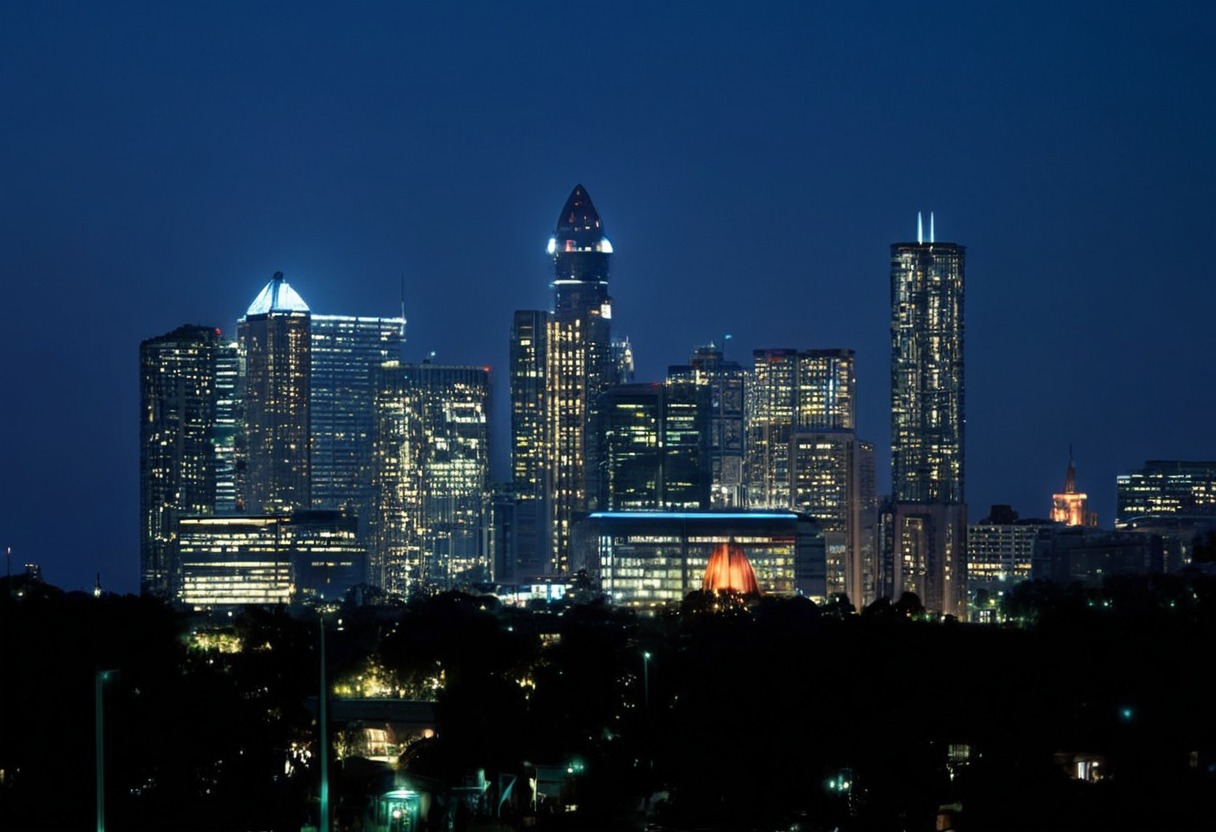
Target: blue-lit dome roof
277	296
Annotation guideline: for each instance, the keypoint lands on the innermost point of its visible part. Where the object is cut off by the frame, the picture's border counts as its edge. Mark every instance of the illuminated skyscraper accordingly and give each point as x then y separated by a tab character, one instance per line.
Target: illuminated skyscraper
275	340
430	477
345	349
803	452
927	421
229	428
580	364
177	459
553	457
653	453
727	384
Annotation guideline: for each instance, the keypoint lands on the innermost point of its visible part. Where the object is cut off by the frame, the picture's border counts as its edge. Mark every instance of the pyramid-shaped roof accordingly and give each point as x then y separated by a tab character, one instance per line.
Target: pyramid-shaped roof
277	296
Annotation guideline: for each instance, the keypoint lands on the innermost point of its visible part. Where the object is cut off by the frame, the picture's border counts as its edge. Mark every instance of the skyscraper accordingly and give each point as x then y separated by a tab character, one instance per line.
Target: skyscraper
275	340
553	457
927	421
177	460
727	384
431	476
653	447
803	451
345	349
580	363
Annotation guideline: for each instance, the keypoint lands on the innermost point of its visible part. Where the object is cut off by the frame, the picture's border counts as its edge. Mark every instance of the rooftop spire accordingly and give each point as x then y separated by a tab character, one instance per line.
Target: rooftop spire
578	226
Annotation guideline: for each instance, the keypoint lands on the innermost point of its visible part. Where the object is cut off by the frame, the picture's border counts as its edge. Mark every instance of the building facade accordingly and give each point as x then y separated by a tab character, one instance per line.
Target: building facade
927	422
727	385
647	559
430	478
1175	499
653	448
345	350
238	560
276	343
803	453
177	452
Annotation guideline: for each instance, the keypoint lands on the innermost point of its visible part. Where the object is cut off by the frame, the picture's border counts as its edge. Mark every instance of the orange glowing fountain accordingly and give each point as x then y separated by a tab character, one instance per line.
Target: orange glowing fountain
728	569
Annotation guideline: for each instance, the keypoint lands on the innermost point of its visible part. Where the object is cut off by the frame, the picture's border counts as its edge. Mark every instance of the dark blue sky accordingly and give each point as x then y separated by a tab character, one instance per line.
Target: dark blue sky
752	163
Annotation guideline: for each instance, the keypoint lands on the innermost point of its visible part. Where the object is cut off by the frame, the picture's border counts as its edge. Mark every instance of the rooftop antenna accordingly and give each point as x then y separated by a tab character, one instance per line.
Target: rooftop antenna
931	235
403	306
920	230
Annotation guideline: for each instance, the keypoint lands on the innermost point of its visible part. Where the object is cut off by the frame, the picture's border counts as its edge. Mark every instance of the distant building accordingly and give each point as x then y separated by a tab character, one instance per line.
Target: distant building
654	558
803	453
261	559
275	340
1172	498
1068	554
653	448
929	517
529	540
345	350
727	384
1000	550
177	443
1070	507
430	477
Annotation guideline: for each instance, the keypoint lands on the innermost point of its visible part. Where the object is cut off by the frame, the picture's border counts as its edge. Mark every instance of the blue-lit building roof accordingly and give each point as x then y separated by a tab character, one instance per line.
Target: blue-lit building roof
277	296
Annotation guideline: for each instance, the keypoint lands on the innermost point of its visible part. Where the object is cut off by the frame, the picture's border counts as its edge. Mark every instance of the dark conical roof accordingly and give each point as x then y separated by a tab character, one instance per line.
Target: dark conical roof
579	221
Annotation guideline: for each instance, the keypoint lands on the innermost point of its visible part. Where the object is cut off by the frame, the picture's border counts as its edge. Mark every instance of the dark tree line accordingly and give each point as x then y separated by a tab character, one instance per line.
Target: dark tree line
730	712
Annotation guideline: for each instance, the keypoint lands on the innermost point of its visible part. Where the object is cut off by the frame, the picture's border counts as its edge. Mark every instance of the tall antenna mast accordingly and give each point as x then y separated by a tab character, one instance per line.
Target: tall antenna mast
931	235
920	230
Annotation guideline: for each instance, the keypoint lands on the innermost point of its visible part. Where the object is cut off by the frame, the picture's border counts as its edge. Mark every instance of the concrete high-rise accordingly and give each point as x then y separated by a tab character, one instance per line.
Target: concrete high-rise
275	340
927	421
177	459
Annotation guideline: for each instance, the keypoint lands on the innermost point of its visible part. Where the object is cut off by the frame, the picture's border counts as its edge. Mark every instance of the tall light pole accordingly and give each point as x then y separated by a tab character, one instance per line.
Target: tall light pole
102	677
646	682
322	709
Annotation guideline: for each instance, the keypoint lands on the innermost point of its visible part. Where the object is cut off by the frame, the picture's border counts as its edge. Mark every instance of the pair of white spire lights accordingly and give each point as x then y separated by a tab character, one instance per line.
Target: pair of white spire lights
920	229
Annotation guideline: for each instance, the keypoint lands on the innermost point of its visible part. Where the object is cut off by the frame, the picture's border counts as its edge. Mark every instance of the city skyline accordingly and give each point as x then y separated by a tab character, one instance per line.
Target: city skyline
156	181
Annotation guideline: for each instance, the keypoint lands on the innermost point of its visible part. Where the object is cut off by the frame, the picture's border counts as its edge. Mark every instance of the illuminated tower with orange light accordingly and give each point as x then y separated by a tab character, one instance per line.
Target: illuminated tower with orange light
1069	507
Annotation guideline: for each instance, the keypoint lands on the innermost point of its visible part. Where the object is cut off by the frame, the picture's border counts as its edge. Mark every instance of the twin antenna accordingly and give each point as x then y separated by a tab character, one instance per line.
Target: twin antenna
920	229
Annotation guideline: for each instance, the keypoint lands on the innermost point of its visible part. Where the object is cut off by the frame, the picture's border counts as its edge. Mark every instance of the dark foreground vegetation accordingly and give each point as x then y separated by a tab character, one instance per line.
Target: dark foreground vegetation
729	713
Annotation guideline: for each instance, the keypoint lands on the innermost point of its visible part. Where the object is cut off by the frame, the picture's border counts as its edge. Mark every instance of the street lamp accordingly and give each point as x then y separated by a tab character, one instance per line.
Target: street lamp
102	677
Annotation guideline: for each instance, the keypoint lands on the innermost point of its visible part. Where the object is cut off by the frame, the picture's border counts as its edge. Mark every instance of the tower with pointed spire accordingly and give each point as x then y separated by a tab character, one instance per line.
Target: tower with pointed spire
560	362
1069	507
275	340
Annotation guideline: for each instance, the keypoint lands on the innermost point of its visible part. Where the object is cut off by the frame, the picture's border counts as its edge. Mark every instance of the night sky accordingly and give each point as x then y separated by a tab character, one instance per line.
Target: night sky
752	163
